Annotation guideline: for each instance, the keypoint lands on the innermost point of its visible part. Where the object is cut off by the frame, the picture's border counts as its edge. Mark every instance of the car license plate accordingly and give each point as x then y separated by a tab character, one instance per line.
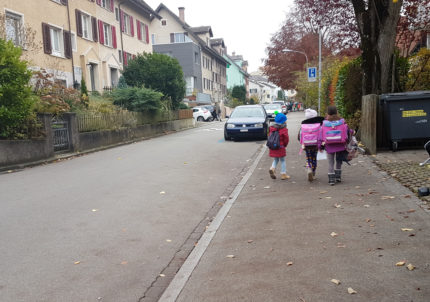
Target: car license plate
243	130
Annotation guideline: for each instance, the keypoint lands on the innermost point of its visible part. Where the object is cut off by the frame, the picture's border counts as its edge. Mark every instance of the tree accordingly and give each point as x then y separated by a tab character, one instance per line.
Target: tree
239	92
419	75
138	99
15	93
158	72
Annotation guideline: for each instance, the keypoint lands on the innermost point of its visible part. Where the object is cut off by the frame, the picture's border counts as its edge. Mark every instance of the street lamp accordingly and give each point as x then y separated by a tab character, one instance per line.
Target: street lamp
307	62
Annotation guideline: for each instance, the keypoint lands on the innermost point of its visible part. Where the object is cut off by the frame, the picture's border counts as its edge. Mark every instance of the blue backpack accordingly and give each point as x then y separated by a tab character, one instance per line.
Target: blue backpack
273	142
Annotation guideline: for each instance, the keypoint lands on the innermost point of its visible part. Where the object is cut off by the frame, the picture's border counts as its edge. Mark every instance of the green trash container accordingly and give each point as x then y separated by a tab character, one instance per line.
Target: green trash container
406	117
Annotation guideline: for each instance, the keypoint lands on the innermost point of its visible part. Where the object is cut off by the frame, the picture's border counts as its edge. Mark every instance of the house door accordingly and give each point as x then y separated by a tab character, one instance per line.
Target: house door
93	76
114	77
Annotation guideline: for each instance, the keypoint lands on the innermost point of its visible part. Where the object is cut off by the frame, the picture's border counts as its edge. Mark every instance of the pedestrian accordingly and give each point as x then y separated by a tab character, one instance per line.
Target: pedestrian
309	137
218	111
279	154
334	135
214	113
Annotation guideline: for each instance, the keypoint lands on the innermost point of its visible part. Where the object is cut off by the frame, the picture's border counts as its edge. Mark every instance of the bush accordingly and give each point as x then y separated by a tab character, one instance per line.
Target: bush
137	99
419	73
16	102
183	106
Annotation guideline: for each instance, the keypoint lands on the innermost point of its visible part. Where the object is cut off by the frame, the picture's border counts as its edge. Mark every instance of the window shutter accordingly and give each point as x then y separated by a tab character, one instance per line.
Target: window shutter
78	23
125	58
67	44
47	48
114	37
122	21
131	26
147	33
111	5
94	29
133	56
99	2
139	32
172	38
101	34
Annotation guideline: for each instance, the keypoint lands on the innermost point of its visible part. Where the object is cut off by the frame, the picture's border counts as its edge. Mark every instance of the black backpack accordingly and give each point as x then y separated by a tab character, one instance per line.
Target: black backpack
273	142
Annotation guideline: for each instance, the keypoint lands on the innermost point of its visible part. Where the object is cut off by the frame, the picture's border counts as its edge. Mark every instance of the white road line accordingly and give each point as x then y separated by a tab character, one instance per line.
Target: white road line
179	281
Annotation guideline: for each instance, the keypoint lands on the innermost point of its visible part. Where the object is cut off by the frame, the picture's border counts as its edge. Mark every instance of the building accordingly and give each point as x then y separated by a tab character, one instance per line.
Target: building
203	66
80	39
236	73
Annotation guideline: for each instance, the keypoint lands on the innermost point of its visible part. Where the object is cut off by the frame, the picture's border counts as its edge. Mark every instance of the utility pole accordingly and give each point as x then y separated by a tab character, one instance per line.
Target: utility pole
319	74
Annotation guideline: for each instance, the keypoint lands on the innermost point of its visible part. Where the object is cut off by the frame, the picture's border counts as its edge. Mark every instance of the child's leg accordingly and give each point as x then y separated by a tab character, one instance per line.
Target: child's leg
313	154
283	165
275	162
308	157
330	159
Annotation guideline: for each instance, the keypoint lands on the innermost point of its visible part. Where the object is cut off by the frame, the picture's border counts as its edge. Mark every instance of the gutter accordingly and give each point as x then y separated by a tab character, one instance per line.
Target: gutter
70	29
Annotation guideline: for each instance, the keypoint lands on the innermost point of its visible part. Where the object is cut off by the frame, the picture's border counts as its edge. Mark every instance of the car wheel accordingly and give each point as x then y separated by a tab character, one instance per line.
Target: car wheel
210	119
200	119
226	137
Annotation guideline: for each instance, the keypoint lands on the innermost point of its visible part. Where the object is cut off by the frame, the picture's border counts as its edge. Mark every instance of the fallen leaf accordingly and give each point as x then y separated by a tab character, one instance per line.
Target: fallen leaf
168	240
119	158
410	267
289	263
124	262
387	197
230	256
337	205
366	206
407	196
333	234
368	220
250	241
185	163
162	192
400	263
94	210
162	275
410	211
267	187
351	291
407	230
357	187
9	171
328	197
77	262
323	192
335	281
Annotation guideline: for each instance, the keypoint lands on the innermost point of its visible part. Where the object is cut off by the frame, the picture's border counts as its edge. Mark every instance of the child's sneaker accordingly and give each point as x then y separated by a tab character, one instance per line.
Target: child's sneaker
310	175
284	176
272	173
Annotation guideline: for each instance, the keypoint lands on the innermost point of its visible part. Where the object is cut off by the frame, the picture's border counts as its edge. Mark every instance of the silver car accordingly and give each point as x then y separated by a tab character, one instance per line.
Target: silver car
271	108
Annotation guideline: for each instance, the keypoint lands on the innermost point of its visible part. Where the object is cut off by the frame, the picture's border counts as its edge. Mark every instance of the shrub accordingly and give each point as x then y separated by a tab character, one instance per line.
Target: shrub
183	106
16	102
137	99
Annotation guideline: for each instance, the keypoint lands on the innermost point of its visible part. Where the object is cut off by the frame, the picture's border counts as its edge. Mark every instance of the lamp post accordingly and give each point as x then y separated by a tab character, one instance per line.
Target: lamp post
307	62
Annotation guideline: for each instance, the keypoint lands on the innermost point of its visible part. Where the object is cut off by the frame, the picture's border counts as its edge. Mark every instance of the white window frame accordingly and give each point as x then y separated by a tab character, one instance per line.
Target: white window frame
120	56
165	22
89	28
74	41
107	34
19	41
153	39
105	4
56	1
428	40
127	26
178	36
53	29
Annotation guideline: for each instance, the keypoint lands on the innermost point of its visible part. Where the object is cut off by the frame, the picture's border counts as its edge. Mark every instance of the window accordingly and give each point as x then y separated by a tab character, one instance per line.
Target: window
428	40
196	58
181	38
116	13
153	39
86	27
163	22
56	41
74	47
127	24
142	32
120	56
107	34
13	28
107	4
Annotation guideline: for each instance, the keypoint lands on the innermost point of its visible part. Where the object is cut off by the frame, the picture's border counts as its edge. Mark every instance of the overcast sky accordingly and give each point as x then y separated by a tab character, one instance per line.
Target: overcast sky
246	26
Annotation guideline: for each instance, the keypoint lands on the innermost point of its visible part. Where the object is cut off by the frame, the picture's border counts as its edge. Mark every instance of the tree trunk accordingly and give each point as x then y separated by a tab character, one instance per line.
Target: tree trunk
377	26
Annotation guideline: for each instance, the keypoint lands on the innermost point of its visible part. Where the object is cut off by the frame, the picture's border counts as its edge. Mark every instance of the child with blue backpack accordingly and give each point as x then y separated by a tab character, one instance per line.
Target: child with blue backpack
335	137
277	150
309	137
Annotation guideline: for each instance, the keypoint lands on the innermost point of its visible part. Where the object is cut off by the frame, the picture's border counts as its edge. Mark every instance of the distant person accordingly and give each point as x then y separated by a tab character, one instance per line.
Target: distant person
334	137
214	113
279	129
218	111
309	137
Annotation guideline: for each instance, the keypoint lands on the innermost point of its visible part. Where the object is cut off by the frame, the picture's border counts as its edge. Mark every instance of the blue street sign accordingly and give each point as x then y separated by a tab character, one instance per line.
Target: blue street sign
312	74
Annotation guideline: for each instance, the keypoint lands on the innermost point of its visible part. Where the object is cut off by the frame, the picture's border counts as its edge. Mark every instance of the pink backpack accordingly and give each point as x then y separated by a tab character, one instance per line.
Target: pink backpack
309	134
335	132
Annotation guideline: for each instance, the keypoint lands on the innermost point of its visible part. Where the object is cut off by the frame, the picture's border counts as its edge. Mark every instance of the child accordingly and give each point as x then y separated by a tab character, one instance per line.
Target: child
280	153
334	135
309	139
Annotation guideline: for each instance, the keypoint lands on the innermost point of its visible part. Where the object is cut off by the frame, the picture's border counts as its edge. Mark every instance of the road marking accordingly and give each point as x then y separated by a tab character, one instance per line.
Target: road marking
180	280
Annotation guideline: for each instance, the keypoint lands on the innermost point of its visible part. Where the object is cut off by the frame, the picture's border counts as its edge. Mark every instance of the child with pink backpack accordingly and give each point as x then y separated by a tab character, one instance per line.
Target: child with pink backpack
309	137
335	138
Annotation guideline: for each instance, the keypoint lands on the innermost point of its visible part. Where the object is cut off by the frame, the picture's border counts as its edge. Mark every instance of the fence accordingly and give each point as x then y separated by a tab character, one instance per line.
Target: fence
87	122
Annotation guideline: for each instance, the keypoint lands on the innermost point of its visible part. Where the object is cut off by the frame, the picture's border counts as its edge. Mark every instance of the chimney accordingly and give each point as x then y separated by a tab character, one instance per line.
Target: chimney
233	54
182	13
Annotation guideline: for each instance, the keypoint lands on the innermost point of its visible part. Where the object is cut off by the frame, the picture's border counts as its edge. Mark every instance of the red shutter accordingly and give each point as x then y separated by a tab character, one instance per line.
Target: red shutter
94	29
139	32
125	58
133	56
131	26
147	33
47	47
122	21
99	2
111	5
78	23
101	34
113	37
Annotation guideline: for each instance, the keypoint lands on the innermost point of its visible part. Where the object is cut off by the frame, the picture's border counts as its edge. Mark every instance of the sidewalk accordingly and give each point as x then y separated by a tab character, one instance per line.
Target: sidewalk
286	240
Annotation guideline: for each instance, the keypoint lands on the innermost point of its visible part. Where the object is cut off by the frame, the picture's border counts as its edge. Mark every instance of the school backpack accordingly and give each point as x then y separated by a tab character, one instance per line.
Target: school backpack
335	132
273	142
309	134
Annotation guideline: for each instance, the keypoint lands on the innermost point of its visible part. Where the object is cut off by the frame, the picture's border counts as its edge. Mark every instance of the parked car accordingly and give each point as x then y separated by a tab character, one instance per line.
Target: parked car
271	108
248	121
283	105
202	114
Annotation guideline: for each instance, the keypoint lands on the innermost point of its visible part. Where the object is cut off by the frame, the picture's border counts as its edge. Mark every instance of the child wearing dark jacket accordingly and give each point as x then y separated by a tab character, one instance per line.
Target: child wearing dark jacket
280	153
311	117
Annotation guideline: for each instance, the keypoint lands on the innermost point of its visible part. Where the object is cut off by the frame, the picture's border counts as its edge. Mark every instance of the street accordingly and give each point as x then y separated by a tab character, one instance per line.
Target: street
101	227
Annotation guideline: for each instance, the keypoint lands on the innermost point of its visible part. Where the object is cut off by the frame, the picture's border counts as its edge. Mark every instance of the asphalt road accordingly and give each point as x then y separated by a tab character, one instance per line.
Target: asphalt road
101	227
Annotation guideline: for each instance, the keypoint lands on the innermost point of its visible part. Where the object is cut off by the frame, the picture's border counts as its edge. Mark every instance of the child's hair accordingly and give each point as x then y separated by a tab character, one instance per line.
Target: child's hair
331	110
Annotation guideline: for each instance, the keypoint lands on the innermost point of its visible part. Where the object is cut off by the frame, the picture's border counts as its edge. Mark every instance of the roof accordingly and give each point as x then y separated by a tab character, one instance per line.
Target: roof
188	28
202	30
218	41
240	68
143	5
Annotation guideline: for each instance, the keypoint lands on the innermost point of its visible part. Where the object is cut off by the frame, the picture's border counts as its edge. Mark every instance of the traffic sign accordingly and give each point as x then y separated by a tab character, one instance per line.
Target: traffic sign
312	74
